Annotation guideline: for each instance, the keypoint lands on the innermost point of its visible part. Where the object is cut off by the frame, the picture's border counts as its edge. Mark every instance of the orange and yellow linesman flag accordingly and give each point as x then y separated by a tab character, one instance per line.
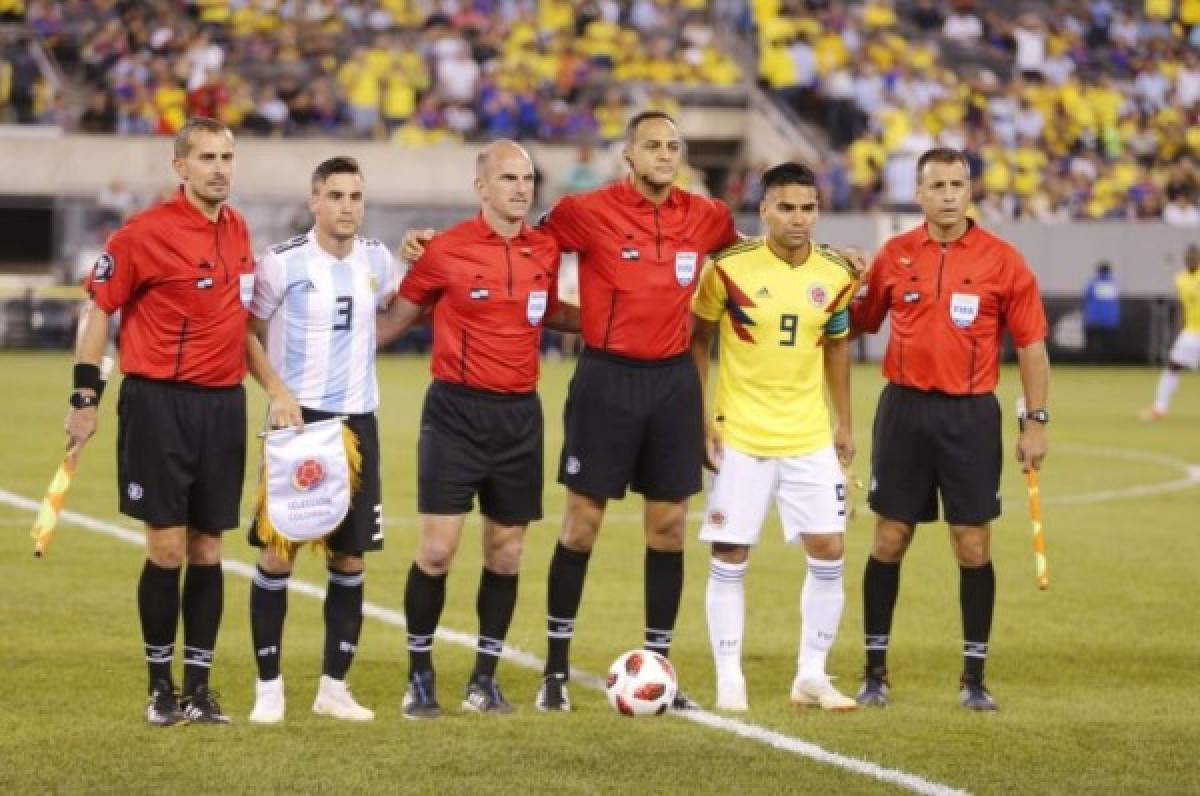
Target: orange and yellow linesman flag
52	505
1041	571
56	494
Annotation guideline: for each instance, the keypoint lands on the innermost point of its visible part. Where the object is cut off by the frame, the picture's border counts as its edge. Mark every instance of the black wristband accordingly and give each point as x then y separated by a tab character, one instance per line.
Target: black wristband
87	377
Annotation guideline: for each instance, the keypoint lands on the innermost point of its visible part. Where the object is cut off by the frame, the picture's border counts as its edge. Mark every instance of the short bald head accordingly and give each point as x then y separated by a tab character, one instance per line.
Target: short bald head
497	152
504	181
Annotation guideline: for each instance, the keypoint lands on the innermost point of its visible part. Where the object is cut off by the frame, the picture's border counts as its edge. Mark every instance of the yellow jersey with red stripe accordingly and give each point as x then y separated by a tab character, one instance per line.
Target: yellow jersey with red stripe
774	318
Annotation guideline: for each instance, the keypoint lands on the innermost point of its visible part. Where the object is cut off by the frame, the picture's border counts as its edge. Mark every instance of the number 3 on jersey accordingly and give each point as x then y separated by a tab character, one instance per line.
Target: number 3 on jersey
343	314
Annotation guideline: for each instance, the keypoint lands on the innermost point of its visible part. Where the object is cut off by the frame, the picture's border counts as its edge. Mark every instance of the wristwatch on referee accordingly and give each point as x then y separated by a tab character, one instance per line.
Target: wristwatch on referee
82	400
1038	416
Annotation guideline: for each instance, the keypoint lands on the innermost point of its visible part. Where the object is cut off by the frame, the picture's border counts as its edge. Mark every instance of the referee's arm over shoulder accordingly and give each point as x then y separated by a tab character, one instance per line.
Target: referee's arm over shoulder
870	307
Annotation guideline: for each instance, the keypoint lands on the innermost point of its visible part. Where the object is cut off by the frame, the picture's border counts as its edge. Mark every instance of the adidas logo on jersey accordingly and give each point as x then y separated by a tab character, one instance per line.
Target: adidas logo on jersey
763	293
480	293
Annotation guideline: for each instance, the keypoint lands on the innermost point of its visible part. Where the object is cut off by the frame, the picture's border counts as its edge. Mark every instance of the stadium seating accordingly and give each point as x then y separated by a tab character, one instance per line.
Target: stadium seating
1070	110
419	73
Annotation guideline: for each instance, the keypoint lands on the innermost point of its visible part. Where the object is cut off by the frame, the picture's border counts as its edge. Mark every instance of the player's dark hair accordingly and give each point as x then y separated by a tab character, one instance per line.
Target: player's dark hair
341	164
196	124
942	154
788	174
645	116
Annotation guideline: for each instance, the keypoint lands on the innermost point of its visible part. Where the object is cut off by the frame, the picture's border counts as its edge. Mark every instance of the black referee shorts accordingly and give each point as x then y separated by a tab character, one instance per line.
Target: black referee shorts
633	424
474	442
362	530
181	453
926	443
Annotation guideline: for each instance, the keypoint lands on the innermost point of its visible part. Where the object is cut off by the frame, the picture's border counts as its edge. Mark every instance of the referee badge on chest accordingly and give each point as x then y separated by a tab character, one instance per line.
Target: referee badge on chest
964	308
246	288
685	268
535	307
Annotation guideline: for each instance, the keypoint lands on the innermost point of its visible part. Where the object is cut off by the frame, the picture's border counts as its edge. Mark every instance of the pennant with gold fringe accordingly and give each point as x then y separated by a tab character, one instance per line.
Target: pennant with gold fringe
307	481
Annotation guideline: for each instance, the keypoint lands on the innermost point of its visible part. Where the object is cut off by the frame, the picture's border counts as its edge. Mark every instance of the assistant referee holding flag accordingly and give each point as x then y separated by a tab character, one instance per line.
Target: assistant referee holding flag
952	289
182	275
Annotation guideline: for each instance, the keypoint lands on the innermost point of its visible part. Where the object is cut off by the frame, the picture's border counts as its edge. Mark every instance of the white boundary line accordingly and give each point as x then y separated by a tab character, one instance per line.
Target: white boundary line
743	729
1191	476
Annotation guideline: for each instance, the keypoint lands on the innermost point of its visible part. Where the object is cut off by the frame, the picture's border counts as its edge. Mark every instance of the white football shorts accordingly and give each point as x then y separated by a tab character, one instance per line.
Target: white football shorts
1186	351
809	491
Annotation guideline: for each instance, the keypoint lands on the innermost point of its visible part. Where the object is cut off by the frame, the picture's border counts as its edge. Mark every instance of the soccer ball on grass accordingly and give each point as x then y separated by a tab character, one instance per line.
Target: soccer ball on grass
641	683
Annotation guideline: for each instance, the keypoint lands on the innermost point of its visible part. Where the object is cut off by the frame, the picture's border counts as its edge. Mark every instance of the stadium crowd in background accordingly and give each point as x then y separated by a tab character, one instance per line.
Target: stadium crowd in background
1068	110
1071	110
418	72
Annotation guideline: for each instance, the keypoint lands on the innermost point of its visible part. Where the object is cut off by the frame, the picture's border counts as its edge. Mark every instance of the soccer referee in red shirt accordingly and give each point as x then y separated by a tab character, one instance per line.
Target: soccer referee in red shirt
952	289
634	412
181	274
634	415
492	283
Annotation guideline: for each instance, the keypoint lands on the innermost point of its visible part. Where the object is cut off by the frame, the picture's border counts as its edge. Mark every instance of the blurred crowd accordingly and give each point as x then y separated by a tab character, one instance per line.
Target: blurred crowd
1076	109
1068	109
416	71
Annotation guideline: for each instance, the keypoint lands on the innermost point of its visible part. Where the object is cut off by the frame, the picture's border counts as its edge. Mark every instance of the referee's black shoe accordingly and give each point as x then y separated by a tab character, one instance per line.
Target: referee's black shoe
552	694
484	696
201	707
683	702
972	695
162	708
420	700
874	690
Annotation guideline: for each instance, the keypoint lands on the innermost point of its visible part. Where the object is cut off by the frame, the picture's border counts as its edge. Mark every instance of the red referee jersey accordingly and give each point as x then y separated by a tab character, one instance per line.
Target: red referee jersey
182	284
490	296
638	264
950	304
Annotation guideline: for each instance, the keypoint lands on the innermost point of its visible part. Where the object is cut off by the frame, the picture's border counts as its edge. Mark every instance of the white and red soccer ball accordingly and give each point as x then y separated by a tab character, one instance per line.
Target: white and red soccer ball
641	683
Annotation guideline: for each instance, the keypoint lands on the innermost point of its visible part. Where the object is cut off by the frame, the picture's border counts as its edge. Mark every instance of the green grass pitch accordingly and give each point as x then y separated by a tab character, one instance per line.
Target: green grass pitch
1097	678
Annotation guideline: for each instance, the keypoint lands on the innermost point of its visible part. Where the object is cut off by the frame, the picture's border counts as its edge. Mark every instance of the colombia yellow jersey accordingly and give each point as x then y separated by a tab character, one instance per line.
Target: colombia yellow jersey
1188	285
773	319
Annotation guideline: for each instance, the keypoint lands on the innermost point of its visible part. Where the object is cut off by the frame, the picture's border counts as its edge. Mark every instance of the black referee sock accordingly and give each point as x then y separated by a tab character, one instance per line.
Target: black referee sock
424	597
343	621
881	584
977	596
664	587
203	602
564	590
158	608
495	603
268	608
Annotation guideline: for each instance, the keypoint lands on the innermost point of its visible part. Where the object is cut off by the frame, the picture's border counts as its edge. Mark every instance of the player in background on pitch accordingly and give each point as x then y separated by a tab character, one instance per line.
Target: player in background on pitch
315	300
779	304
1185	353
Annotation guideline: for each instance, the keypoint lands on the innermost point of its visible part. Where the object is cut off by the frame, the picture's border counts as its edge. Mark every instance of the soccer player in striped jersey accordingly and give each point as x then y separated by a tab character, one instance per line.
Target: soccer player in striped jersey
315	300
1185	353
779	304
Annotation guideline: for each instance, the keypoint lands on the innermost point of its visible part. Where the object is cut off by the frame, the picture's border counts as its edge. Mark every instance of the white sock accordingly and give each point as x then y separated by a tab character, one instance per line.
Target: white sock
821	603
1167	382
725	602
